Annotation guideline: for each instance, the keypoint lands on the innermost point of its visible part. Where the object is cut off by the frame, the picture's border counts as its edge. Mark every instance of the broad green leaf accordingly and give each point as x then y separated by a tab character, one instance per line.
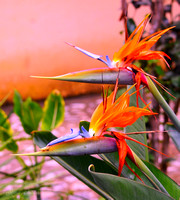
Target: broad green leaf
172	187
17	104
53	109
31	115
113	159
29	112
122	188
76	165
99	75
147	176
138	126
6	133
7	140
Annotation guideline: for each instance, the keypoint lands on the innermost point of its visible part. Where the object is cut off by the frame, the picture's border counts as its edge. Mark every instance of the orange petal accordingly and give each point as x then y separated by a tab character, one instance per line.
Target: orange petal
122	151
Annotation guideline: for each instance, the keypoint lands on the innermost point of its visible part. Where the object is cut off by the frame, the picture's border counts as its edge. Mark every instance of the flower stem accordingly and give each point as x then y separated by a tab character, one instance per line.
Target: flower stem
163	103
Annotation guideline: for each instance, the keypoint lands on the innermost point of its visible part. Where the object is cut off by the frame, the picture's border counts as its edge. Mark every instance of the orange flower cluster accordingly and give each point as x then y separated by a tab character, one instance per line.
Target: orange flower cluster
113	113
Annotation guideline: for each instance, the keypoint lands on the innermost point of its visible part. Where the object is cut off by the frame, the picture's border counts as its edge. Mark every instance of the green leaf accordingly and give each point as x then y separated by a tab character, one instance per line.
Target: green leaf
53	111
172	187
7	140
100	75
113	159
29	112
6	133
122	188
85	124
4	122
76	165
17	104
31	115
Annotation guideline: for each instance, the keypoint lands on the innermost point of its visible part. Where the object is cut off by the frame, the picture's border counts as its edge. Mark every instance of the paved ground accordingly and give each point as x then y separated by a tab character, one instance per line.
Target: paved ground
76	109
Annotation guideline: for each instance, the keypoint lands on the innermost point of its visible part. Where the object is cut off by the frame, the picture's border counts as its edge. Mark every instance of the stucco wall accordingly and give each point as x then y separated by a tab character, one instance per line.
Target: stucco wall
32	42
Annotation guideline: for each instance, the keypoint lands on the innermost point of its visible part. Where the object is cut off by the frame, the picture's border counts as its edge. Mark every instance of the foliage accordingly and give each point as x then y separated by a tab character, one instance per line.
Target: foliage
170	44
6	137
31	116
78	166
31	113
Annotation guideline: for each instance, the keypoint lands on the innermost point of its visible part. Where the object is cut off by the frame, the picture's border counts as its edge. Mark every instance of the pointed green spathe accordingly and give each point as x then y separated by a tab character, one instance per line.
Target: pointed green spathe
100	76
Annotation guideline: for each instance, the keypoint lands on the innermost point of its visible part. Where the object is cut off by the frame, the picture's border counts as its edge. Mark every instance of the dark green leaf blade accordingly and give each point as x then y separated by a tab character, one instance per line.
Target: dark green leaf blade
122	188
31	115
29	112
172	187
17	104
53	111
113	159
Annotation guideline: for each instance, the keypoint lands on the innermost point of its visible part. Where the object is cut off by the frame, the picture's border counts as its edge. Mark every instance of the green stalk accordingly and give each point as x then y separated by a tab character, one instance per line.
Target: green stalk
163	103
149	174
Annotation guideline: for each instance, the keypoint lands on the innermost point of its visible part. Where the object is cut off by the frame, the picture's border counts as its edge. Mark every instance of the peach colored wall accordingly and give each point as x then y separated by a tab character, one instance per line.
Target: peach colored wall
33	35
32	41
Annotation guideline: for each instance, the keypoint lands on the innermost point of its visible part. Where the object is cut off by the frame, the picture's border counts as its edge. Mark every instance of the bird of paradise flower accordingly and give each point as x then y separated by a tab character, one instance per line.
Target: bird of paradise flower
135	49
110	113
113	113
